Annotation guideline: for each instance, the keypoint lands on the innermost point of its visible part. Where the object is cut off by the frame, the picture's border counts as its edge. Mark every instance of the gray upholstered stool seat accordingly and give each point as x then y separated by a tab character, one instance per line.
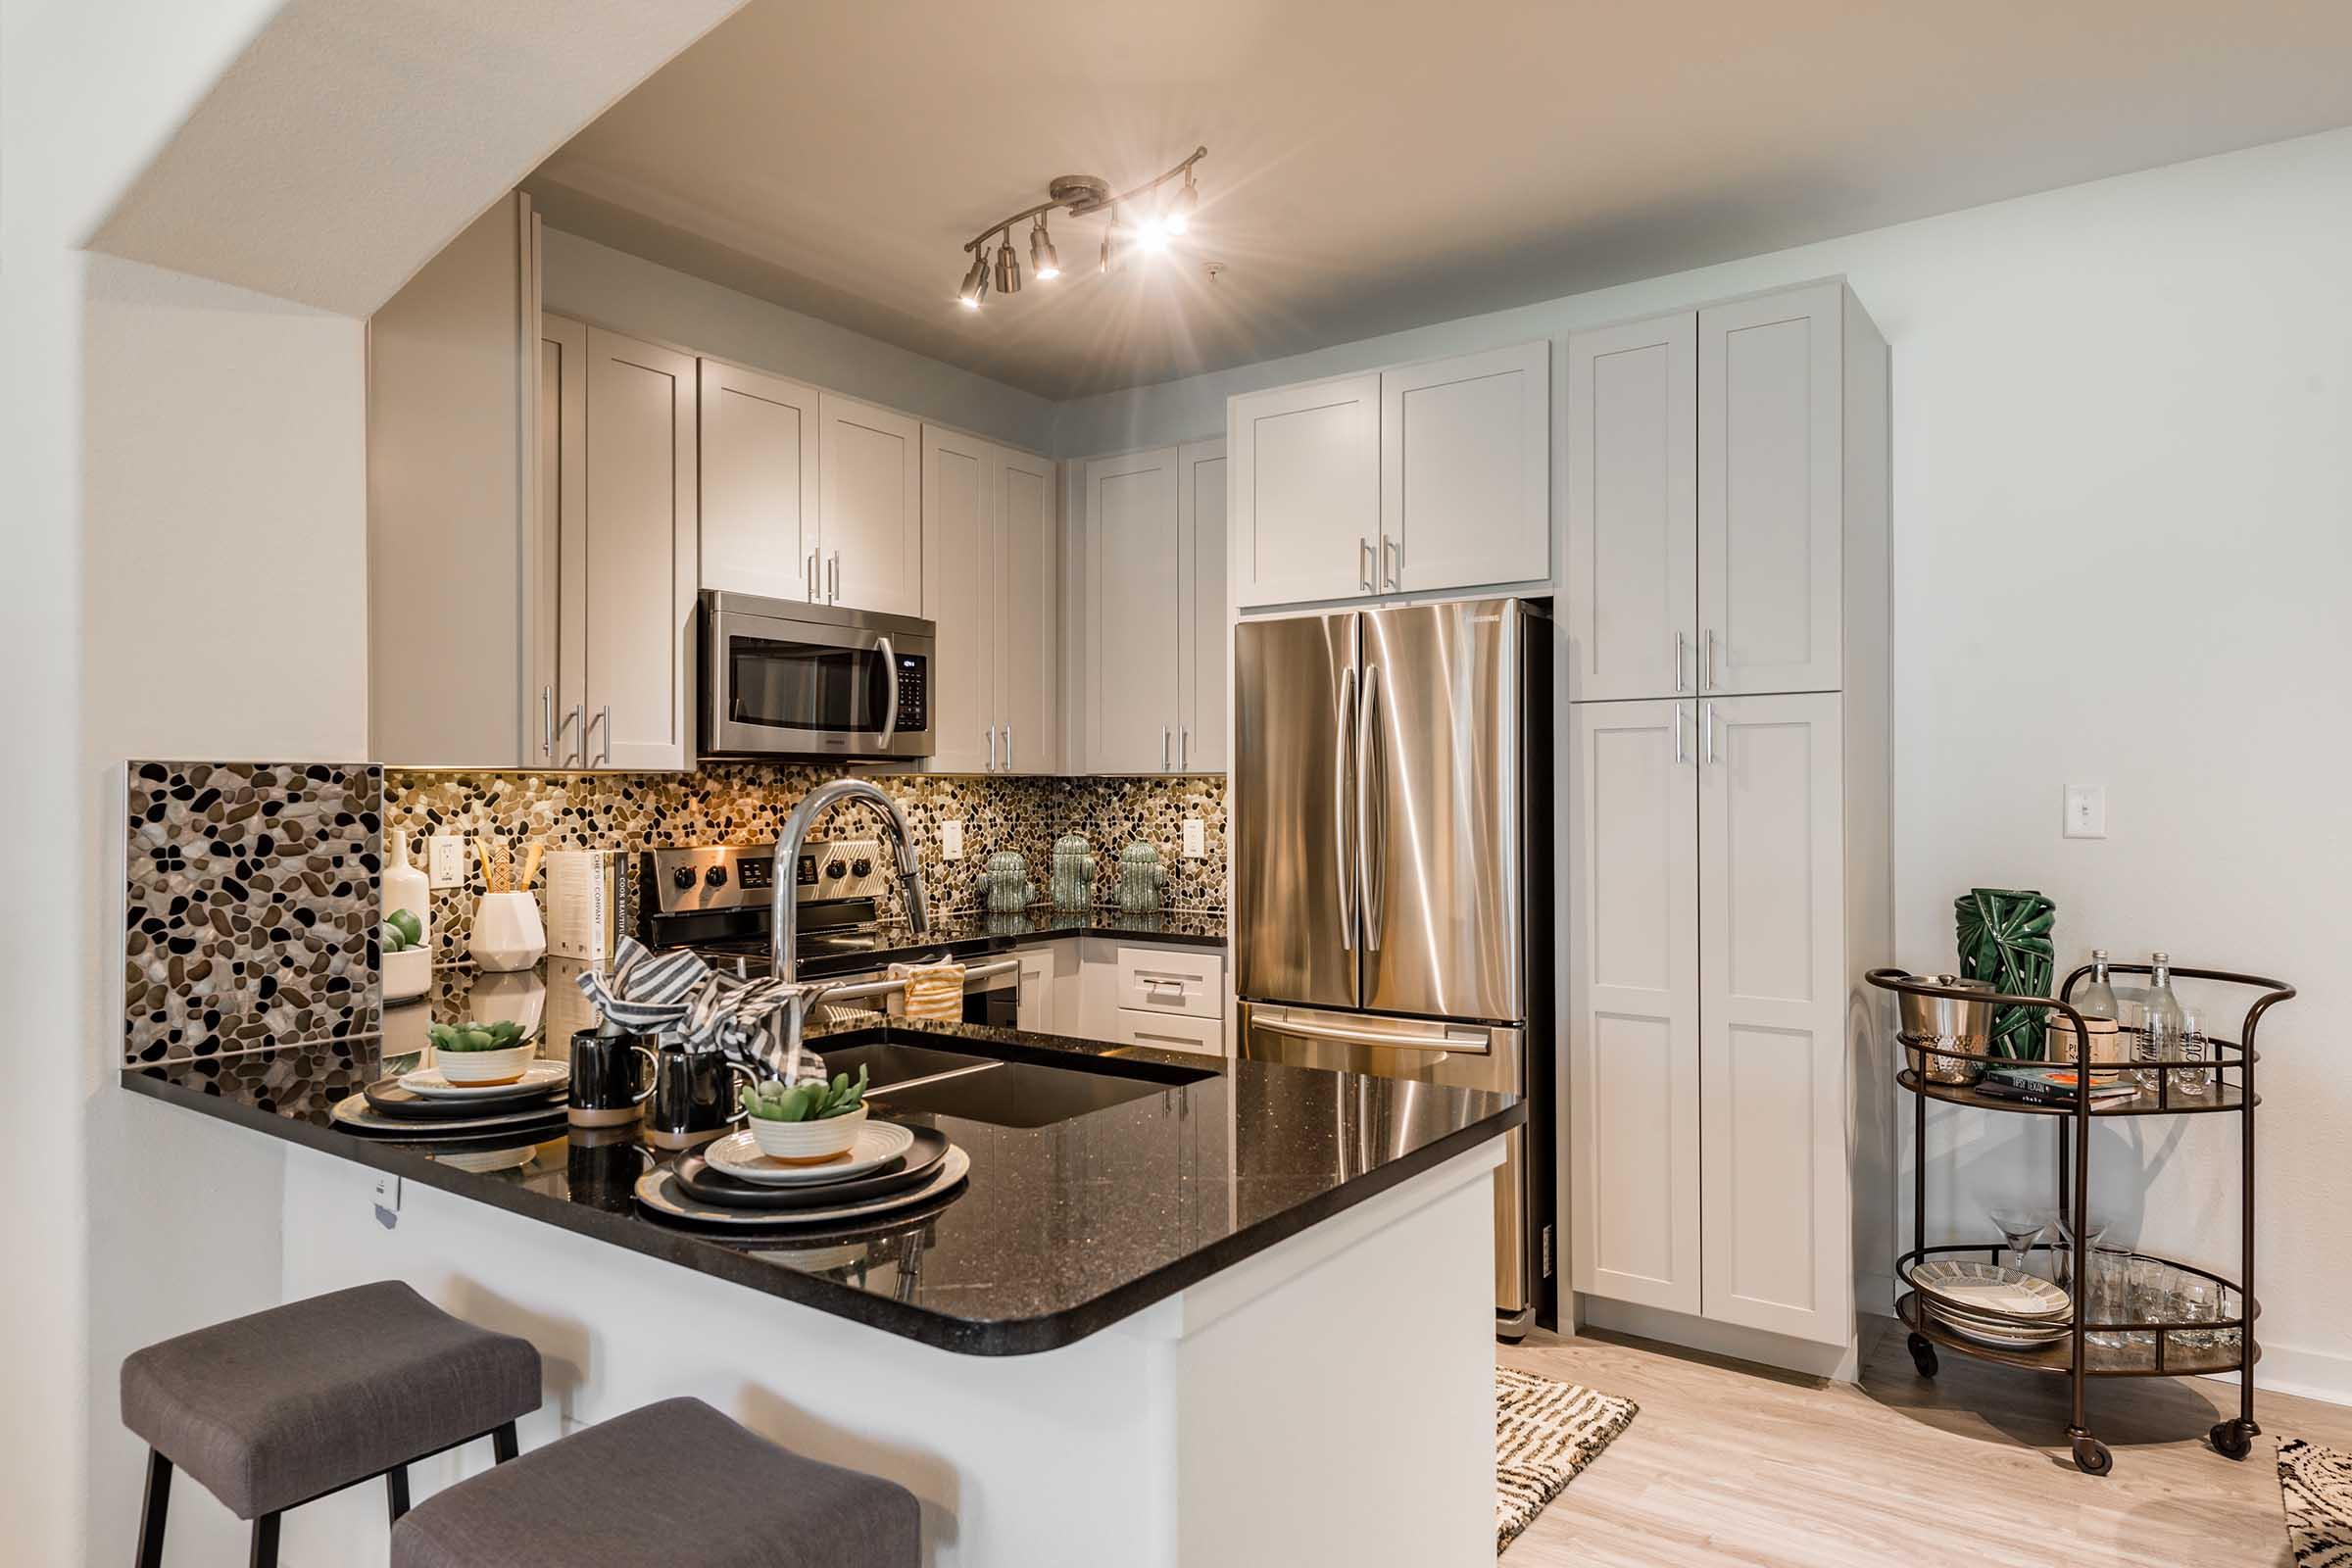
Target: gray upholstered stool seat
672	1483
285	1405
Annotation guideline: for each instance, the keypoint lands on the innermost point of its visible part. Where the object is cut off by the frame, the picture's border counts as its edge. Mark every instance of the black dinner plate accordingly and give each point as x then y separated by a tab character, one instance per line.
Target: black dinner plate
704	1181
388	1099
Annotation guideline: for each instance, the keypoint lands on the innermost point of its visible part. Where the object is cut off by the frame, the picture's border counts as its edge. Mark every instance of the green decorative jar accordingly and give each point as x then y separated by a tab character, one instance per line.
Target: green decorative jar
1005	884
1140	879
2005	940
1074	873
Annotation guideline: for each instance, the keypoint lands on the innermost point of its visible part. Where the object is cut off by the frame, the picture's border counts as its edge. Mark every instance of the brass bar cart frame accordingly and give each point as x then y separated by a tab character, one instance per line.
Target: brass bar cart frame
2154	1351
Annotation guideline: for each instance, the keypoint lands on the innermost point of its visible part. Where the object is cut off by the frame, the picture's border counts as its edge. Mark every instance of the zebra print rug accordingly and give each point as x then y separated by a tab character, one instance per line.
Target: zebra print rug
2316	1485
1544	1432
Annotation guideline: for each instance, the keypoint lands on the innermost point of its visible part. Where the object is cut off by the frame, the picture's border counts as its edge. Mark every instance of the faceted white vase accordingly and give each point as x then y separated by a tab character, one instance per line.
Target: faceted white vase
507	932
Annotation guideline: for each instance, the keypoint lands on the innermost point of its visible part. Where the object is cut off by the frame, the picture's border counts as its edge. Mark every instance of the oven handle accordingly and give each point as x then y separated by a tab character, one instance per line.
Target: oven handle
890	680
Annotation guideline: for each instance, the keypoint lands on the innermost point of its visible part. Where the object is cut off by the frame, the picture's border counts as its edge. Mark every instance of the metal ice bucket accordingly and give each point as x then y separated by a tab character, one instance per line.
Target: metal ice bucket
1947	1023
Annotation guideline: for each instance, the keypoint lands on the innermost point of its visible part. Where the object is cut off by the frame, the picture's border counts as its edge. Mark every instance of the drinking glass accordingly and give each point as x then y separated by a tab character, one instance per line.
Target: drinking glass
2229	1339
2197	1082
2147	1297
2109	1295
2064	1272
2142	1043
2195	1299
2021	1227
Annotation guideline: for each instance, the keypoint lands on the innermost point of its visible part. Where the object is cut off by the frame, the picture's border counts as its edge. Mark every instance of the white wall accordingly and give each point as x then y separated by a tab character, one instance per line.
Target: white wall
2123	526
628	294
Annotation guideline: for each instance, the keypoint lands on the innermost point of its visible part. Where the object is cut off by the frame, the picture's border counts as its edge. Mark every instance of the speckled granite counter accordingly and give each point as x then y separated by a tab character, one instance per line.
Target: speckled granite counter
1060	1229
968	934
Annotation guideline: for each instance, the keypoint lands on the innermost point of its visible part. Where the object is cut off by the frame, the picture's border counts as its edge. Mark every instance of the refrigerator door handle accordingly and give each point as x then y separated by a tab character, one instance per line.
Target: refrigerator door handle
1371	833
1469	1047
1342	808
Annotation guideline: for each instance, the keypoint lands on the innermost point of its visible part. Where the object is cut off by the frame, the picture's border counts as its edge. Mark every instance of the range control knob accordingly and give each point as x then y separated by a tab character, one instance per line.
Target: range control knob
715	877
682	878
834	868
861	867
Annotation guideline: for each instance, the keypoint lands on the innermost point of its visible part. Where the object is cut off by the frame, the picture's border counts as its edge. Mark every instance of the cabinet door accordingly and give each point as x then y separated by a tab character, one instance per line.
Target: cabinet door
642	565
1027	560
1048	972
870	475
1770	507
960	488
1465	470
1207	616
1772	1015
1634	1004
1633	508
1135	612
760	493
559	639
1305	491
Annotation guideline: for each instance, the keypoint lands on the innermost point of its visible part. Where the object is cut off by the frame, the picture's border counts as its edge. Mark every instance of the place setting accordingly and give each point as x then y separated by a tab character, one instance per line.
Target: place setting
484	1078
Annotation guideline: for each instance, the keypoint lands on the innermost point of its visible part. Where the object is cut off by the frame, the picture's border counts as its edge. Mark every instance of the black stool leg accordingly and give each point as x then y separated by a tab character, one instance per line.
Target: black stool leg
502	1442
396	1485
152	1510
265	1542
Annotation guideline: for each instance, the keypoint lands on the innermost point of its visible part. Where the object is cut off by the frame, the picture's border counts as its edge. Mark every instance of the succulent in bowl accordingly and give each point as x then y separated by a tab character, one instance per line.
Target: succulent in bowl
807	1102
462	1037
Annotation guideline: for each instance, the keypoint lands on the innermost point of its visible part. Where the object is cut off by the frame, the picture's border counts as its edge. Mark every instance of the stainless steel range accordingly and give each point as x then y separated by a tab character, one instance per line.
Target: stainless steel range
717	900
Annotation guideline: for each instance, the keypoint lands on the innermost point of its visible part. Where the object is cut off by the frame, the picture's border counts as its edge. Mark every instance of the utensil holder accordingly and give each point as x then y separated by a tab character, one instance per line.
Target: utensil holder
507	932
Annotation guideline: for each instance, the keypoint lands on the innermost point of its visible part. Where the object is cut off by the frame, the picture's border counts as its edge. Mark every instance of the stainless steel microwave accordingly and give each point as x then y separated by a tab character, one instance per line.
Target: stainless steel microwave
782	678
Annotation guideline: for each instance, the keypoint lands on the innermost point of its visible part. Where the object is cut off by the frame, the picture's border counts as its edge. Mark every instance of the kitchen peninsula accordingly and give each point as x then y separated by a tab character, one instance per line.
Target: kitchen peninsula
1134	1333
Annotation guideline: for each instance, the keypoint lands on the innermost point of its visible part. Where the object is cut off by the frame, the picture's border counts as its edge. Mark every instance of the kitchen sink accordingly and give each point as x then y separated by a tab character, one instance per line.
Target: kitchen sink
921	1080
893	1062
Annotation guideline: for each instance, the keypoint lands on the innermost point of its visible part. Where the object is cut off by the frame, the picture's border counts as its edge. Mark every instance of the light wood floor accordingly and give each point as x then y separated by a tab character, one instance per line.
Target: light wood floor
1734	1464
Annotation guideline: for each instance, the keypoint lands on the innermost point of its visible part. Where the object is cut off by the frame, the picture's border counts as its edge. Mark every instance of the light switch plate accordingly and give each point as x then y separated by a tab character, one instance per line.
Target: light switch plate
951	841
1195	839
448	857
2087	811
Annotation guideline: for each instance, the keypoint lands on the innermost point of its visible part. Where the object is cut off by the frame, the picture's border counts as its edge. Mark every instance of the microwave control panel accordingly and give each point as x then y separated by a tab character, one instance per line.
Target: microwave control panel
914	677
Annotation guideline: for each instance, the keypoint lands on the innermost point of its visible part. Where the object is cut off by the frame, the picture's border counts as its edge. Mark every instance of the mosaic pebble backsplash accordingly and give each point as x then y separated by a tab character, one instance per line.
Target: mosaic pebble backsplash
747	803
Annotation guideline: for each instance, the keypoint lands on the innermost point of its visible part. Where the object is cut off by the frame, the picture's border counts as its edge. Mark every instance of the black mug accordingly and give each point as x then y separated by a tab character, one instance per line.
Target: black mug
695	1097
607	1088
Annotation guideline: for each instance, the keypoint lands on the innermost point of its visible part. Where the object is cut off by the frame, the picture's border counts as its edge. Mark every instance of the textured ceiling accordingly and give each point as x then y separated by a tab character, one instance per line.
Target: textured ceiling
1377	165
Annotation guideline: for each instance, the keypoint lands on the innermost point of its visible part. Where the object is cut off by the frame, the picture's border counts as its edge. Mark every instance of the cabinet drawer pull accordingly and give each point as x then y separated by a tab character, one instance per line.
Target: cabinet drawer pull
1391	561
1363	564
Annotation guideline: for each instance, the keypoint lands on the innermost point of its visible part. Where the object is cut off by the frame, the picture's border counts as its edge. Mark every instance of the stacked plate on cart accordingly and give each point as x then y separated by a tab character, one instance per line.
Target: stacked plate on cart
423	1103
730	1184
1992	1304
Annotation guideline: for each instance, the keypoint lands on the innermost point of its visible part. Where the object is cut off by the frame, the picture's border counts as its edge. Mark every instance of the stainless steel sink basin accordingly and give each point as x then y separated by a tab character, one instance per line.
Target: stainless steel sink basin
893	1062
921	1080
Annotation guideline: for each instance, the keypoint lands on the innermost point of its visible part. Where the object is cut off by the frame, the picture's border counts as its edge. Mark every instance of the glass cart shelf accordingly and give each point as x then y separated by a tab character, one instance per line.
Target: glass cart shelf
2153	1349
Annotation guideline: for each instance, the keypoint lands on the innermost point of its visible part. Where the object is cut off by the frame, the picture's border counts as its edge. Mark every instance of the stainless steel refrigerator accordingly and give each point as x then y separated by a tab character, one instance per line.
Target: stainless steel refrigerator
1391	880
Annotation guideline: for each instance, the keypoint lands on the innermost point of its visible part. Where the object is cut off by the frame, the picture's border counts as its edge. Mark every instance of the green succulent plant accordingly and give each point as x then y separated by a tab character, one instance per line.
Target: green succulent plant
476	1036
810	1101
402	930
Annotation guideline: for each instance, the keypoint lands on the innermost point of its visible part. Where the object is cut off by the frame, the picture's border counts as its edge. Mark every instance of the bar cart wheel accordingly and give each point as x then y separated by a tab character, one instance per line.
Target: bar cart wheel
2233	1440
1923	1355
2091	1457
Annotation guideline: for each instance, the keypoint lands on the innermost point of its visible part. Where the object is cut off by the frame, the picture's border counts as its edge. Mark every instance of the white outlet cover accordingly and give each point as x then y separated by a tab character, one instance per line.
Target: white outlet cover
447	854
1195	839
951	841
2086	810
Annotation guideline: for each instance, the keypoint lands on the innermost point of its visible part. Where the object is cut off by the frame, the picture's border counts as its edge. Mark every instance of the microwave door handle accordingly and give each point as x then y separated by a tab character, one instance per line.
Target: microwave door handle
890	684
1342	808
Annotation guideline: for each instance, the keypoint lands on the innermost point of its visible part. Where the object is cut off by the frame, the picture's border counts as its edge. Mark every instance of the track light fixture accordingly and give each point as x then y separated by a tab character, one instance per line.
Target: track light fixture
1081	196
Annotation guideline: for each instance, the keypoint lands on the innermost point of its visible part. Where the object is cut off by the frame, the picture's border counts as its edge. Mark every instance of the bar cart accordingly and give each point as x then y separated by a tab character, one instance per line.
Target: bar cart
2149	1349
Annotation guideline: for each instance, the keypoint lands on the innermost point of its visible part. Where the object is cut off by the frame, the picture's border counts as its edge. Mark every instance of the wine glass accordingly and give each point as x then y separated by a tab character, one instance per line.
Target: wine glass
2021	1227
2094	1229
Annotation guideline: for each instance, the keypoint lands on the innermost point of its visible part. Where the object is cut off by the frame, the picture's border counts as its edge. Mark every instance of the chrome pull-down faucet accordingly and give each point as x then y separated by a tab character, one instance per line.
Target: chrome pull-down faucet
784	908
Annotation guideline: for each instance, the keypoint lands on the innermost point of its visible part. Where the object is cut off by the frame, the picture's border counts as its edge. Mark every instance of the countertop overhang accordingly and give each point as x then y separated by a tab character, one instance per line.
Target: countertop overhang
1060	1231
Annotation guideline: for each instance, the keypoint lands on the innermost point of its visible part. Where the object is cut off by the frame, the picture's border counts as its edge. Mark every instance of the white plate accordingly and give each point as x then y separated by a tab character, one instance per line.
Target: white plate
738	1155
659	1190
1990	1291
542	1074
2001	1339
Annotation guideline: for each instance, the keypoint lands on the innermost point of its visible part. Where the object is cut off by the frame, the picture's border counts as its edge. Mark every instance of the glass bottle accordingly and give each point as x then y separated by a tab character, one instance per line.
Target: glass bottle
2160	1038
2098	997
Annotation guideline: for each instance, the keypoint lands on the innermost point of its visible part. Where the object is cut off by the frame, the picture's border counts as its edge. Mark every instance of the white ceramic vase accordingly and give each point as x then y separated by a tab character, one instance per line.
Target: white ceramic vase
507	932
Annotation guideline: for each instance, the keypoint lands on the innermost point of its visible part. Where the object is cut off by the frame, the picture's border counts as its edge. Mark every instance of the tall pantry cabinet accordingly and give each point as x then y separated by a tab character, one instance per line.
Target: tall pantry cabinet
1726	759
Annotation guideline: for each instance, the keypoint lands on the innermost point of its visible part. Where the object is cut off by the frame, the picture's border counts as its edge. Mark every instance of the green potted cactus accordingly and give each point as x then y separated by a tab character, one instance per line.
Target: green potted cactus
803	1124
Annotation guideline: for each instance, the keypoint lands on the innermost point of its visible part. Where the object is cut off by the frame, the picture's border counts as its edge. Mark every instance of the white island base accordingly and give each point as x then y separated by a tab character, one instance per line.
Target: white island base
1328	1400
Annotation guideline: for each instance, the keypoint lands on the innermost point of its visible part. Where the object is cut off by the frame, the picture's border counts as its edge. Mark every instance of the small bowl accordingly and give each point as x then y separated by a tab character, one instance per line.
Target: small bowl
806	1143
486	1067
408	974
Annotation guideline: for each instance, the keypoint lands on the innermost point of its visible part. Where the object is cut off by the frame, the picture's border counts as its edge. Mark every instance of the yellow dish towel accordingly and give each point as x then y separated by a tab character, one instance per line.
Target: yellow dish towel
933	991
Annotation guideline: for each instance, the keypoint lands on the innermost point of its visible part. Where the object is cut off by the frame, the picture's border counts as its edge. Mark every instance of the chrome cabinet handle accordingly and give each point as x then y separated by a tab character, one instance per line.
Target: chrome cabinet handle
1706	661
1391	572
579	730
546	722
1363	564
1679	642
1680	756
1341	808
992	748
1371	870
890	679
1163	748
605	755
1008	748
1708	728
1184	749
833	579
809	577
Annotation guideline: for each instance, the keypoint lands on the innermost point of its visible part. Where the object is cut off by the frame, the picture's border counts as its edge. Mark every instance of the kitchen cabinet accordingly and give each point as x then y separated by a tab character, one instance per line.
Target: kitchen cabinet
1708	493
1157	676
1419	478
1728	847
990	565
760	500
1163	995
1049	1000
870	510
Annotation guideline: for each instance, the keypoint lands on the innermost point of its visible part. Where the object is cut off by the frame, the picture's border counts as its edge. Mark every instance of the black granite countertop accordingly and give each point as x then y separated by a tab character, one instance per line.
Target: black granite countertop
969	933
1060	1230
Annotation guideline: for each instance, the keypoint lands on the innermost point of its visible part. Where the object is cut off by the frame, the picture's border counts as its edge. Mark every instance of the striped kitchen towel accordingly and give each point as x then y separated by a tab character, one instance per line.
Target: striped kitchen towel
646	993
932	991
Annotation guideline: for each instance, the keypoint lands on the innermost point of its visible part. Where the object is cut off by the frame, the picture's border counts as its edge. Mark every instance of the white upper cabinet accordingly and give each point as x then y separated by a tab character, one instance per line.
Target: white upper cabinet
759	478
1771	471
641	569
1305	491
870	523
989	565
1135	613
1465	470
1772	1007
1633	508
1201	498
1027	562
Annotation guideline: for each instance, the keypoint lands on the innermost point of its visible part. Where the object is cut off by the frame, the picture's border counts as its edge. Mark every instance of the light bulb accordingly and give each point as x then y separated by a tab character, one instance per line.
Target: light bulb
1042	259
1151	235
975	282
1180	211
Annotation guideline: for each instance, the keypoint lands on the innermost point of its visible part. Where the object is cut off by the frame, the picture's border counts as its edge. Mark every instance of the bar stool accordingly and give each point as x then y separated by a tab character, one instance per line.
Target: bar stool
668	1484
284	1406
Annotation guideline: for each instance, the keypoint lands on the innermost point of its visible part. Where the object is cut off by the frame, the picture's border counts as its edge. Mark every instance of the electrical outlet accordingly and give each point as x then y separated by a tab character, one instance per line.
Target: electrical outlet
387	1200
2087	811
1195	839
448	857
951	841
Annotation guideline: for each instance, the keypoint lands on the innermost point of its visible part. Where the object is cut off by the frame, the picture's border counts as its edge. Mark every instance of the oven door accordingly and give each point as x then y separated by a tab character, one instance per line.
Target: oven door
785	679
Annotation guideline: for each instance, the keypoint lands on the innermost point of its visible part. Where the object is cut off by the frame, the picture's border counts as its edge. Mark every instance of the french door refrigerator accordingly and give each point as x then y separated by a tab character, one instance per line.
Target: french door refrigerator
1391	887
